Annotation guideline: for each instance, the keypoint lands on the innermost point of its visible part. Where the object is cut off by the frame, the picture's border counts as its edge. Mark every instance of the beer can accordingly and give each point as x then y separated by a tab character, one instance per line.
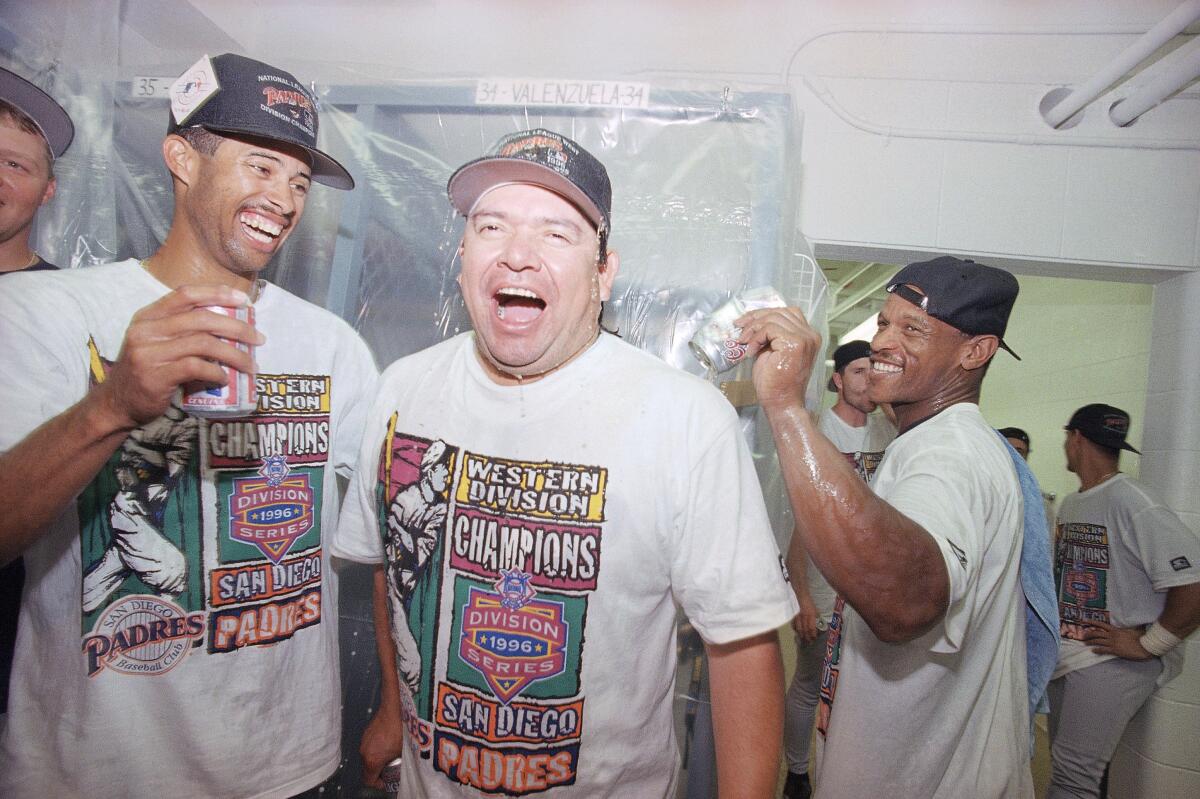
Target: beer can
238	397
715	344
390	774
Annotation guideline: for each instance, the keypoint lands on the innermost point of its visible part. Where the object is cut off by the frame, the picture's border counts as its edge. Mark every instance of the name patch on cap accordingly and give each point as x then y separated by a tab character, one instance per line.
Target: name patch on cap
192	89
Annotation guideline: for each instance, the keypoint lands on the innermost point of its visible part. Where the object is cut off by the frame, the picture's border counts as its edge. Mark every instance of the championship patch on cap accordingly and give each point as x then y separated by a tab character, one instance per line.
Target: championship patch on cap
192	89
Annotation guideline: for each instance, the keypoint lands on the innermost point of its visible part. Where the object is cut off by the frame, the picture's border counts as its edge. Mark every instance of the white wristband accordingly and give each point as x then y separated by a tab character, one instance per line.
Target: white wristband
1158	640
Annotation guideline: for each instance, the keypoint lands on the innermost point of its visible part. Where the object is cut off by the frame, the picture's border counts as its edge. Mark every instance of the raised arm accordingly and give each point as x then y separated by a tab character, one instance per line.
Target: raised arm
170	342
885	565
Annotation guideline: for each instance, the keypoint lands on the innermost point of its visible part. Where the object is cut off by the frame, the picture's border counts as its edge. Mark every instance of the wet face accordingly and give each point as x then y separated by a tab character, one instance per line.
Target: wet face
852	385
531	281
244	200
1020	446
25	182
914	357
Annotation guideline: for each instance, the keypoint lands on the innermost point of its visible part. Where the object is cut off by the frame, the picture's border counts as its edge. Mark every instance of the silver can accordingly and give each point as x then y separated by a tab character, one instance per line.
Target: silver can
390	775
715	344
239	396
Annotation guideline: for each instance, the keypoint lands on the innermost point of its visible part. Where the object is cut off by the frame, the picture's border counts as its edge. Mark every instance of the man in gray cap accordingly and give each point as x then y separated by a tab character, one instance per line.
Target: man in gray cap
924	689
1128	575
179	627
583	487
34	131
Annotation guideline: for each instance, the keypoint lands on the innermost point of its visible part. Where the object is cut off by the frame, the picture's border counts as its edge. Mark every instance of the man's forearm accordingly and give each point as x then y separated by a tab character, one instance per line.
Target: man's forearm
1181	613
385	648
50	466
884	564
746	682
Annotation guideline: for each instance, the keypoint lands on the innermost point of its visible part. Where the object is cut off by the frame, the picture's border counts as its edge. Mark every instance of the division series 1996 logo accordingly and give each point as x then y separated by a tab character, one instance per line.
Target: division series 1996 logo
142	635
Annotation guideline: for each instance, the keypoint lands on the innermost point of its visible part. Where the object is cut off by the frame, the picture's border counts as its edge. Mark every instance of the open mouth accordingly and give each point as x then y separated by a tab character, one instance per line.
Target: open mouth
518	305
260	228
886	368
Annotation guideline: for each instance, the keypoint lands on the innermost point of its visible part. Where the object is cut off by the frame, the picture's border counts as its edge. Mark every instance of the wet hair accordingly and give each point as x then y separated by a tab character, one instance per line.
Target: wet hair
14	116
202	140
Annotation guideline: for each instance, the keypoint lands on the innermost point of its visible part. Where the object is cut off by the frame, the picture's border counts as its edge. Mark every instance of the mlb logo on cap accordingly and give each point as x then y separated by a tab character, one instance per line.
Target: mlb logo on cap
238	95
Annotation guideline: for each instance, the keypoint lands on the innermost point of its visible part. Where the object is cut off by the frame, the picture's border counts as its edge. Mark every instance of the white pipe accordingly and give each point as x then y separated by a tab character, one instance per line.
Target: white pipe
1166	80
1185	14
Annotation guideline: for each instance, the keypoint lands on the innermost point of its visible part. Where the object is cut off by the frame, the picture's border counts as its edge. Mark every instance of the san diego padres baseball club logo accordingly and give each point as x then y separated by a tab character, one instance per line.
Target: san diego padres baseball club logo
142	635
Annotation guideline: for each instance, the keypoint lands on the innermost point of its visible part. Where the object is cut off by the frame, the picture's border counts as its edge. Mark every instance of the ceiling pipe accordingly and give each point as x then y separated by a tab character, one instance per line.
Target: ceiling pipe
1184	67
1059	105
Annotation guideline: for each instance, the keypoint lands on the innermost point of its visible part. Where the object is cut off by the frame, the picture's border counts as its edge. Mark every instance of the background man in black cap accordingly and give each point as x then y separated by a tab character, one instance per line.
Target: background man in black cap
924	692
178	628
34	131
860	432
590	485
1019	440
1128	575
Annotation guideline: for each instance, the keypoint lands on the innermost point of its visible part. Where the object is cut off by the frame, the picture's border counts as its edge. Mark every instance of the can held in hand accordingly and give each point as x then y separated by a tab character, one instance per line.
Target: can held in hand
390	775
715	344
238	397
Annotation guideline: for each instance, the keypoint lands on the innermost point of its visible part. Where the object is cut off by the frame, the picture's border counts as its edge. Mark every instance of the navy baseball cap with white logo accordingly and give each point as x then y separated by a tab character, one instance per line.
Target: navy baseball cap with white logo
50	117
970	297
543	158
234	94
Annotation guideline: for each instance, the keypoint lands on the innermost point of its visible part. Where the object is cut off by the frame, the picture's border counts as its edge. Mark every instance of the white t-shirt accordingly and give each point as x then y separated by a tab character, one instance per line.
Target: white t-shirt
178	631
863	448
945	715
537	538
1118	550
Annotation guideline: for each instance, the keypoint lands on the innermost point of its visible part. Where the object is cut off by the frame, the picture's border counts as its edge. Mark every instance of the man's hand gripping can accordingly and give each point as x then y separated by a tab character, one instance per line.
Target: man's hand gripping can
239	396
715	344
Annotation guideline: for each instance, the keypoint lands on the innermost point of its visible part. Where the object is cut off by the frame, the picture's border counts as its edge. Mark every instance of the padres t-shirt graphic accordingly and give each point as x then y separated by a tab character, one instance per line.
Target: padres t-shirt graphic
490	563
206	532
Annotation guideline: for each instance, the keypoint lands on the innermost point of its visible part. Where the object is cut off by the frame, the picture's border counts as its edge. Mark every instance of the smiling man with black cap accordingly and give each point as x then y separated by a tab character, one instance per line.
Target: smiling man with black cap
1128	574
924	692
178	636
590	487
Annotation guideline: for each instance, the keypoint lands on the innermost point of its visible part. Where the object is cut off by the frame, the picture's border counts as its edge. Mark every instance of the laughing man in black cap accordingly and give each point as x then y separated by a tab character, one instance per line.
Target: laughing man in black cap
178	637
585	488
924	692
1128	574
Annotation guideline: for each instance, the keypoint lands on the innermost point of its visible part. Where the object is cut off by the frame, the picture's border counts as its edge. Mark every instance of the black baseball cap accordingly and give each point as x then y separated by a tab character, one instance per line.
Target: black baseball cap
1014	432
1102	424
971	297
543	158
230	93
50	117
845	354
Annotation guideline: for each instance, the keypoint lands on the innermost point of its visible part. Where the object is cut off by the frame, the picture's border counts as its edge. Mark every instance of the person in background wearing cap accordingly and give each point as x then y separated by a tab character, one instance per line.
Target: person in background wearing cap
860	432
34	130
591	486
200	657
1128	574
924	691
1018	439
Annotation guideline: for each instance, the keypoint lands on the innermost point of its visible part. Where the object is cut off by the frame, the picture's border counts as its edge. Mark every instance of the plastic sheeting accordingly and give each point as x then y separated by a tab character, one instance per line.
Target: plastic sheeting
703	207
